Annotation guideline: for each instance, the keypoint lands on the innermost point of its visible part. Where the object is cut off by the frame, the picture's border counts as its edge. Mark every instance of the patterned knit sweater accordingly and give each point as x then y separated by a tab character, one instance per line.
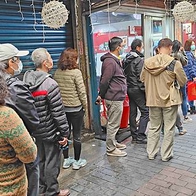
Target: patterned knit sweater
16	148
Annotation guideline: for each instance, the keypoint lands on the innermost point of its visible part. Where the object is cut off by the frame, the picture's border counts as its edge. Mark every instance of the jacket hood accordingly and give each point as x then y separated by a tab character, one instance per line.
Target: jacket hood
109	55
35	78
157	64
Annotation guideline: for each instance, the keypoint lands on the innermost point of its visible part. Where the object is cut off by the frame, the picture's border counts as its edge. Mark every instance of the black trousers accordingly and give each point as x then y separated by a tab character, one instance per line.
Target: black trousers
50	159
32	170
75	121
137	99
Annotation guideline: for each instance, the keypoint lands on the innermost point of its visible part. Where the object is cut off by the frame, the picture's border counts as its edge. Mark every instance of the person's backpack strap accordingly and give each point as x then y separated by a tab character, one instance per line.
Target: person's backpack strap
170	67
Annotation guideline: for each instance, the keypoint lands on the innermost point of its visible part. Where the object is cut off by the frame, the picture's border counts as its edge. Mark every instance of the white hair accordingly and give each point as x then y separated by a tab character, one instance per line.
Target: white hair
38	56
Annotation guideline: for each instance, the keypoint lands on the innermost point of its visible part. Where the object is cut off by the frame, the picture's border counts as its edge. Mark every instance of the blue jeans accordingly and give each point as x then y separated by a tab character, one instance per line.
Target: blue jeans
191	103
184	101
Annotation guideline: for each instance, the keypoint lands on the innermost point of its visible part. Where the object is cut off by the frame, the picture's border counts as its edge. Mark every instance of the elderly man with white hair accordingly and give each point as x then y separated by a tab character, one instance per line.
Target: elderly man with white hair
53	129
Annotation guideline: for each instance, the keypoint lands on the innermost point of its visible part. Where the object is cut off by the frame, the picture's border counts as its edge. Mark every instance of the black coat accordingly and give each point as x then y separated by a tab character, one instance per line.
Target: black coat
49	106
21	100
132	65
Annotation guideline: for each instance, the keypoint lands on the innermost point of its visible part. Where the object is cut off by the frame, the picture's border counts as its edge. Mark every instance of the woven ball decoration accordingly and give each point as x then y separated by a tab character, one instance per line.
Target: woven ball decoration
193	16
183	11
54	14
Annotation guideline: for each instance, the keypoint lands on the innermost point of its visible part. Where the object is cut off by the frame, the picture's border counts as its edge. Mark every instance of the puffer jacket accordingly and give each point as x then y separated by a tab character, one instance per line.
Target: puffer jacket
21	100
49	105
158	80
190	68
113	85
72	87
132	65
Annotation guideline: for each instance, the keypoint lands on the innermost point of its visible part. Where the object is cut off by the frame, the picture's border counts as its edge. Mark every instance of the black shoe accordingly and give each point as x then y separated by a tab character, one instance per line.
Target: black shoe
134	139
141	140
166	160
152	158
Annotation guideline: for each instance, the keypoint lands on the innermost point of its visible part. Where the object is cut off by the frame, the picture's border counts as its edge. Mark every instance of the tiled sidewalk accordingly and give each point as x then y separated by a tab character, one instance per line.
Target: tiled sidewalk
135	175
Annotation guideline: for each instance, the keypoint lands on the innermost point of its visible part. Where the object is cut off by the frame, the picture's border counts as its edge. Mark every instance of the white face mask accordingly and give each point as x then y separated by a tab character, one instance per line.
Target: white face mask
19	70
142	51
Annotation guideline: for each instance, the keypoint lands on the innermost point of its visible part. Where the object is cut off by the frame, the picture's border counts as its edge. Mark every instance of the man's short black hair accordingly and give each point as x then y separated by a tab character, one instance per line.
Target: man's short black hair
136	43
165	43
114	43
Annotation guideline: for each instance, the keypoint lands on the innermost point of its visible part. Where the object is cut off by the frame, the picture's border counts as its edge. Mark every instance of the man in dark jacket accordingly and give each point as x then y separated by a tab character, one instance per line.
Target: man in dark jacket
113	89
53	129
21	100
132	65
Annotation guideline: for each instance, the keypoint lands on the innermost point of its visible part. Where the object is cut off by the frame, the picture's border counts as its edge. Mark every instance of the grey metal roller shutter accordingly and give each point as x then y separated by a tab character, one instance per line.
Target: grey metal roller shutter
23	35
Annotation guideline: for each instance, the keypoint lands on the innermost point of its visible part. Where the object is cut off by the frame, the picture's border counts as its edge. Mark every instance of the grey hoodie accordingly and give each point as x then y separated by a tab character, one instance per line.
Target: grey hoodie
35	78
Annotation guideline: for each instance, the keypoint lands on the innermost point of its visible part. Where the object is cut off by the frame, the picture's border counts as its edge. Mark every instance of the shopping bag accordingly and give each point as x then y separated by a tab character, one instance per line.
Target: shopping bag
103	113
191	91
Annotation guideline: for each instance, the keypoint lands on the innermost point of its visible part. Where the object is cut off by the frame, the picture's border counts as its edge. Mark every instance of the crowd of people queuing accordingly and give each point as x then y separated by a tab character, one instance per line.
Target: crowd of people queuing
38	113
156	86
36	101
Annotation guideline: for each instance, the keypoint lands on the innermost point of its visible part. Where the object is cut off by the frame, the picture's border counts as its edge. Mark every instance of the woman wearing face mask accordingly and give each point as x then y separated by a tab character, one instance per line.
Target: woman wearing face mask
70	81
190	69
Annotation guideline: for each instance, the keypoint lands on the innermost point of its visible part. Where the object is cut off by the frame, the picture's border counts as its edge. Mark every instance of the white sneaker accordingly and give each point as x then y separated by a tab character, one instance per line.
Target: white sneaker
187	119
78	164
117	153
68	162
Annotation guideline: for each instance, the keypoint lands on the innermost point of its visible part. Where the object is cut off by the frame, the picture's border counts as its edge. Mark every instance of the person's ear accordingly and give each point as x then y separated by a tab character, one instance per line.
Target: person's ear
44	62
10	61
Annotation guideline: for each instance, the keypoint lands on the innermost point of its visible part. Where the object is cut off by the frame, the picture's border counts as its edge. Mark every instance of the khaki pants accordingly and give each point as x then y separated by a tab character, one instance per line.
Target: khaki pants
158	116
114	113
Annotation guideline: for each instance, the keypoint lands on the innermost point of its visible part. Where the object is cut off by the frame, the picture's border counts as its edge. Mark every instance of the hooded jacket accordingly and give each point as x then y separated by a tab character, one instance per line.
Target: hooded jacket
132	65
49	105
158	80
21	100
112	82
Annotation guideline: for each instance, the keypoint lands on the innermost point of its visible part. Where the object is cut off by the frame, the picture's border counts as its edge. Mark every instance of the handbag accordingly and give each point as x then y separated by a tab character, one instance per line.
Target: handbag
175	93
191	86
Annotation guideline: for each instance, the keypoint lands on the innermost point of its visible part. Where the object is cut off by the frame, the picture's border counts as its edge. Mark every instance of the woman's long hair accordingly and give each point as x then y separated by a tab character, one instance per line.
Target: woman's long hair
176	46
68	59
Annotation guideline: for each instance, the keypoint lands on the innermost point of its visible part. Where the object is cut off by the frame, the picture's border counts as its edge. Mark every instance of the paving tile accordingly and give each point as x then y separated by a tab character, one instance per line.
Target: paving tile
135	175
181	189
165	191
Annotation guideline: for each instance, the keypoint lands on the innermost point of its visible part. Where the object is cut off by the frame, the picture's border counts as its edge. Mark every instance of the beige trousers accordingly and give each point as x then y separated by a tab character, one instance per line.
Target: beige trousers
158	116
114	114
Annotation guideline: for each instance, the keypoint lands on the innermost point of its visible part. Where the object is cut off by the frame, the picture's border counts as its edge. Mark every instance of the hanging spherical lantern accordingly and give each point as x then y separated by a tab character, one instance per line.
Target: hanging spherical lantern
54	14
193	16
183	11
